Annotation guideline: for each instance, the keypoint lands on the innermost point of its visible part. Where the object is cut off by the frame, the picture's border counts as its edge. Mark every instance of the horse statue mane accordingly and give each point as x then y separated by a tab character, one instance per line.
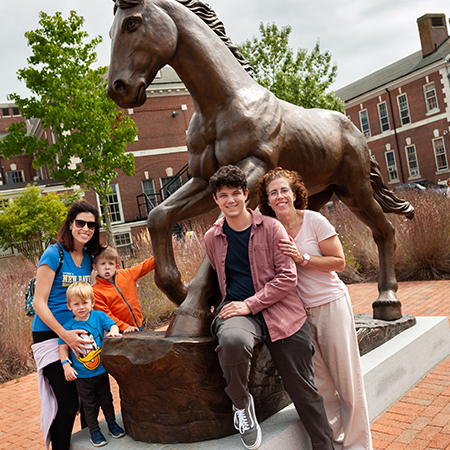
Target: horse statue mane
204	12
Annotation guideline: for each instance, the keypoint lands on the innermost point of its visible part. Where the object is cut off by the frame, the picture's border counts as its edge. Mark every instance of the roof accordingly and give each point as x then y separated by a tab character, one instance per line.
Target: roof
394	71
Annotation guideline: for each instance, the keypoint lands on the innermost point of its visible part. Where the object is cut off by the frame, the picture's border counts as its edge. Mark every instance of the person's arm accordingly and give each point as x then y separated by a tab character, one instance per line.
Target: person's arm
113	331
44	281
69	372
141	269
333	258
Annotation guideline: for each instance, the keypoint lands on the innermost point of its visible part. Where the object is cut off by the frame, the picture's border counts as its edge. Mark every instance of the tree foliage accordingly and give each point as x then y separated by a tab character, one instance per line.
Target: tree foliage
69	97
302	78
31	221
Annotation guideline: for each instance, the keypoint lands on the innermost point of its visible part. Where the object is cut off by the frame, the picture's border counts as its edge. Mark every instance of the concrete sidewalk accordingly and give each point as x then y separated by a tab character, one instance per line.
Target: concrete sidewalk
419	421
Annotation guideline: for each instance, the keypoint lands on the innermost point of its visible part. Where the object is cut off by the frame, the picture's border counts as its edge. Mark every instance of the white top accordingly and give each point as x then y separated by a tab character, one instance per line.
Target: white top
315	287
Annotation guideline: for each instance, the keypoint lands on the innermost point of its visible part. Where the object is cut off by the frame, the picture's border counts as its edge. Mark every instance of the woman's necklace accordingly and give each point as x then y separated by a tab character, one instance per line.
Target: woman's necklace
294	222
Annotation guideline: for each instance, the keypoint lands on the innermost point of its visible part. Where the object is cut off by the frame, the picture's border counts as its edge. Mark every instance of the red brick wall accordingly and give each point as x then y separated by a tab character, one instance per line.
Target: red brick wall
420	135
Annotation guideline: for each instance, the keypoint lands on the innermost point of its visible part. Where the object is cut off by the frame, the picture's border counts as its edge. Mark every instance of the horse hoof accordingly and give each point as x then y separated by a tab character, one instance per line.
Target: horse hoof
189	322
387	307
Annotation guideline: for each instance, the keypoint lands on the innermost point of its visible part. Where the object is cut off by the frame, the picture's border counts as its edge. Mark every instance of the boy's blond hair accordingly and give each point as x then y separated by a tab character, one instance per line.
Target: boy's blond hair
80	289
108	253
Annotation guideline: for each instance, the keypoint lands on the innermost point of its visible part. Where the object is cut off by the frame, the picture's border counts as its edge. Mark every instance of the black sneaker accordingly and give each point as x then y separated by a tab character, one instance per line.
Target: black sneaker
115	431
97	438
247	425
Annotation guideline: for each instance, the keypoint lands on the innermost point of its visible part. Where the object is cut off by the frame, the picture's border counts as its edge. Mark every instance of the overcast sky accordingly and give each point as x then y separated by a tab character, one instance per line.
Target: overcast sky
362	36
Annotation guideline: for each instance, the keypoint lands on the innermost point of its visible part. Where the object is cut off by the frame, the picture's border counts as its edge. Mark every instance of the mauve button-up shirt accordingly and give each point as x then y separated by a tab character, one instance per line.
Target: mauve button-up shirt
274	274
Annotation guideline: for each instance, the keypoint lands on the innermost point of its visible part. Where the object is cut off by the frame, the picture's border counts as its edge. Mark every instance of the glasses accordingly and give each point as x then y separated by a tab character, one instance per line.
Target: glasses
275	193
81	223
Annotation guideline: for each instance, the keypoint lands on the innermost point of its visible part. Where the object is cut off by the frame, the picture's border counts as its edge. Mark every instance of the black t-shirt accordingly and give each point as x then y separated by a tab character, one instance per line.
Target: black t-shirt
237	265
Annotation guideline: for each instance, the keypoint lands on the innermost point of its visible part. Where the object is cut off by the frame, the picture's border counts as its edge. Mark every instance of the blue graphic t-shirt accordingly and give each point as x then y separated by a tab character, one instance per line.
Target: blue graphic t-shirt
68	274
90	365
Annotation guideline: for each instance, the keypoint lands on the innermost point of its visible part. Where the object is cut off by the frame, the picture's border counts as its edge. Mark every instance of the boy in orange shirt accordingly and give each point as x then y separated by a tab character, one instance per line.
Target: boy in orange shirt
115	290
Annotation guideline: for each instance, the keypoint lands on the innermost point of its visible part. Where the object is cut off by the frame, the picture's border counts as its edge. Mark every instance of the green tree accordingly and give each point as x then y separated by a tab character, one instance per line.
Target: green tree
302	78
69	97
31	221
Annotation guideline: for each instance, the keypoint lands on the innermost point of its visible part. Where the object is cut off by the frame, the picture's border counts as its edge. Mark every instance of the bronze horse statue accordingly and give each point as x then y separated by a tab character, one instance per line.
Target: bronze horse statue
237	121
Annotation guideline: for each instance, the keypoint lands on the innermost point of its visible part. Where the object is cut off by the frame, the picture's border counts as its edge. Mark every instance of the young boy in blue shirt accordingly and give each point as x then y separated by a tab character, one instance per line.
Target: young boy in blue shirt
85	369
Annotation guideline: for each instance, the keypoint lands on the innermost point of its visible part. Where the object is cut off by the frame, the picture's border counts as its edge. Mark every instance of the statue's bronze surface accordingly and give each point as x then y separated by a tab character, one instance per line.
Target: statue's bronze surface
237	121
172	389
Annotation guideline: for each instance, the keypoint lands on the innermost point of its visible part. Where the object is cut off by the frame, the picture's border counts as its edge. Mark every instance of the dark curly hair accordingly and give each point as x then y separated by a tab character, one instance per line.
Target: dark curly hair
295	183
65	237
230	176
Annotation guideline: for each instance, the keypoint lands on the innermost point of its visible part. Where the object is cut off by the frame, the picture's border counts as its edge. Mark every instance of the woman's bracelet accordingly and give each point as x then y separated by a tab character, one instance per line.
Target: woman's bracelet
67	360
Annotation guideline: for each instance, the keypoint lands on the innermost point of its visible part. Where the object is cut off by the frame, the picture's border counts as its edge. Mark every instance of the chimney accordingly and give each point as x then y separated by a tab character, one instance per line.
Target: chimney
433	32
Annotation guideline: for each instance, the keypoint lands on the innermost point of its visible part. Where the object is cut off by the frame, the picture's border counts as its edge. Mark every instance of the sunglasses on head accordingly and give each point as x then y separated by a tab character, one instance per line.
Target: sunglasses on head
81	223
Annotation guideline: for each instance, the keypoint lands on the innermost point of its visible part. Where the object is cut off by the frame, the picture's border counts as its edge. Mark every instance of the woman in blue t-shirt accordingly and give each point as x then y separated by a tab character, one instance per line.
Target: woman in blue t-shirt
78	239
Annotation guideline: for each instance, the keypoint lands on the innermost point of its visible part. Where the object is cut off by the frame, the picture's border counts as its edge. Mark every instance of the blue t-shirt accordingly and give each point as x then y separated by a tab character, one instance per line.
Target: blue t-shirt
90	365
69	273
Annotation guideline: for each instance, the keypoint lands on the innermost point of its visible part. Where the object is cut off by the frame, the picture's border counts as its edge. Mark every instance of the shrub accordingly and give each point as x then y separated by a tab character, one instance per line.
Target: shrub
15	326
423	244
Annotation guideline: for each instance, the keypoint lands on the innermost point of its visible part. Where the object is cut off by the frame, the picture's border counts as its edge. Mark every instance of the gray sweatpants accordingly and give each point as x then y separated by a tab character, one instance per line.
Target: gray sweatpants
237	336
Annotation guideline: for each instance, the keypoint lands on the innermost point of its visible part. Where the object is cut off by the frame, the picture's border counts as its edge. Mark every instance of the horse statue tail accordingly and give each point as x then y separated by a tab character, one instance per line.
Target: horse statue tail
386	198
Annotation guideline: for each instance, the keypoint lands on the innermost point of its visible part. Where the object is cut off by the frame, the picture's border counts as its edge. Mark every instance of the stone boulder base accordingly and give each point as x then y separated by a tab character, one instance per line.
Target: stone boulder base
172	389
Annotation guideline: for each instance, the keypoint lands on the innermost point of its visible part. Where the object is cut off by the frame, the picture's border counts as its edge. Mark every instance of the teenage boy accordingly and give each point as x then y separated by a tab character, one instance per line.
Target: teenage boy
259	303
86	370
115	290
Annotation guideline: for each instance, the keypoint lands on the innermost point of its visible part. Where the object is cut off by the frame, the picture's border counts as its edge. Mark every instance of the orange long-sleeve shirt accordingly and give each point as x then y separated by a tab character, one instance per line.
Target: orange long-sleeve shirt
118	298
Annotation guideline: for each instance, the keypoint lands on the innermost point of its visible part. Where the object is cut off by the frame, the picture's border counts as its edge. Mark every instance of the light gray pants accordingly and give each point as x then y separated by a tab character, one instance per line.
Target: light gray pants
237	336
338	373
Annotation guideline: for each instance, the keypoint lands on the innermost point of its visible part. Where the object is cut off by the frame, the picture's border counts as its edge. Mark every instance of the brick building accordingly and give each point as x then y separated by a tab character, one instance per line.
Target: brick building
160	152
404	109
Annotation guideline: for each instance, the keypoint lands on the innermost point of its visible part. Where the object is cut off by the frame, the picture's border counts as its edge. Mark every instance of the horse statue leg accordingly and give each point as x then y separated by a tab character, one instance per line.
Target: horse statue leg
362	203
192	199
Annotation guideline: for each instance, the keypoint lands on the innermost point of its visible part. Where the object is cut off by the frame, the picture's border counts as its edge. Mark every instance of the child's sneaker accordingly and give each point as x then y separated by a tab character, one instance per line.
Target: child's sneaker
115	431
97	438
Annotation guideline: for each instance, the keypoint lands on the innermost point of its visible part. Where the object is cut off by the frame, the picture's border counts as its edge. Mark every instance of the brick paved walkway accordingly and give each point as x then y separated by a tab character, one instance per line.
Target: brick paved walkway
419	421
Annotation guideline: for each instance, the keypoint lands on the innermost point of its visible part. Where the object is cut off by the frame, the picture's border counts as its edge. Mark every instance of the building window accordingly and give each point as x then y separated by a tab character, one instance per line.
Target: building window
411	157
114	205
391	166
384	118
123	239
403	109
15	176
5	112
151	199
364	119
15	111
169	185
440	154
430	97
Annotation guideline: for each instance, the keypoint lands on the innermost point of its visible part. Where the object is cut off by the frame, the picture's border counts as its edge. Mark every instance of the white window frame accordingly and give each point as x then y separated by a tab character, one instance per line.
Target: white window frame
152	195
440	152
429	92
391	168
384	119
412	161
128	235
403	109
115	187
14	175
365	124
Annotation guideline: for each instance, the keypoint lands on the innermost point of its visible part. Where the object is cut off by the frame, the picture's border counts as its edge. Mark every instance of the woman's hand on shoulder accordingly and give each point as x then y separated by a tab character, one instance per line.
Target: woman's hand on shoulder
289	248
